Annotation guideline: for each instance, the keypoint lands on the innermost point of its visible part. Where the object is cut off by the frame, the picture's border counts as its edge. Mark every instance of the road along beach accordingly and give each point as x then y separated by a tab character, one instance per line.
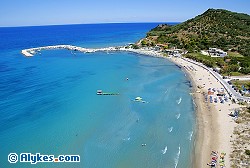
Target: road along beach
214	125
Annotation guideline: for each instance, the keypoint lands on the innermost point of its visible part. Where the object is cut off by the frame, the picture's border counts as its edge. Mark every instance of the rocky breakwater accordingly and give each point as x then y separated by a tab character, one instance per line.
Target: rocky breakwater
32	51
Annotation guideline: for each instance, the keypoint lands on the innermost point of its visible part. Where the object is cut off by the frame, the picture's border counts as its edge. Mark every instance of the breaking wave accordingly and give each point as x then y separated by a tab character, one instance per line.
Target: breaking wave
164	150
176	160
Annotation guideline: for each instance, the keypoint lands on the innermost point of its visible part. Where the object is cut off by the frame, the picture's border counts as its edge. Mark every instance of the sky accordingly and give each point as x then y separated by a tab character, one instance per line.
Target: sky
57	12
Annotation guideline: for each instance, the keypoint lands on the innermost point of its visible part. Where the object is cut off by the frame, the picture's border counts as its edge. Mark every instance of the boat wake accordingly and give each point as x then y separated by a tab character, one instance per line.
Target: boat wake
176	161
190	135
165	150
179	101
170	129
178	116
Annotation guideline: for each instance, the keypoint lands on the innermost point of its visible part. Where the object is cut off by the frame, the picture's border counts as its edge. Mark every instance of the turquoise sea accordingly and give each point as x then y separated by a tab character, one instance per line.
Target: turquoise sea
48	103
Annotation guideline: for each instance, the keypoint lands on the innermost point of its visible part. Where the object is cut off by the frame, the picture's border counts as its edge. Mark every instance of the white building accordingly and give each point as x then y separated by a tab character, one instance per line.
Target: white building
215	52
174	52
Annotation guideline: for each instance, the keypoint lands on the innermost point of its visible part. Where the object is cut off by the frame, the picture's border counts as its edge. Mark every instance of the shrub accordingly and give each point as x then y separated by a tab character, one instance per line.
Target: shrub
247	152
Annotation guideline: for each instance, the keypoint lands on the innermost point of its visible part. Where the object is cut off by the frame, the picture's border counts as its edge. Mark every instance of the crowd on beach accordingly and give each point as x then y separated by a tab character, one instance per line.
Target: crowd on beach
215	94
215	159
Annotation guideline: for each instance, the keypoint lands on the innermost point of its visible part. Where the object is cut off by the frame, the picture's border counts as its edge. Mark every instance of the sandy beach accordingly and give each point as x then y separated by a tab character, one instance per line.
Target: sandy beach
214	125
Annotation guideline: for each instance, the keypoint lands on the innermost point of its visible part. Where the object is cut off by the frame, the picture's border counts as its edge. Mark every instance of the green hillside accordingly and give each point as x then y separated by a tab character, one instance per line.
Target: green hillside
218	28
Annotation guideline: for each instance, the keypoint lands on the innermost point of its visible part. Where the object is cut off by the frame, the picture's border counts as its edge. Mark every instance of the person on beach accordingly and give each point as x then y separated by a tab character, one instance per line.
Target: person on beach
214	153
212	164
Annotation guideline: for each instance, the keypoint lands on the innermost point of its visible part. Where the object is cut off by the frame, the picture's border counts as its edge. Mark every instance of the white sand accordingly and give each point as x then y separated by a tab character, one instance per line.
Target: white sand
214	125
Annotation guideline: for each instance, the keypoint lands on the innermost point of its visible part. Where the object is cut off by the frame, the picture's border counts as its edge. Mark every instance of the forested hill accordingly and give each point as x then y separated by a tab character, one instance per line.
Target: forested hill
214	28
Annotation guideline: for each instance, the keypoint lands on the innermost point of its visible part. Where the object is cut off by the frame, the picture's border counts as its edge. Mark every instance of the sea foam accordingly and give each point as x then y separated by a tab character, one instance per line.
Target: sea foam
179	100
176	160
164	150
170	129
190	135
178	116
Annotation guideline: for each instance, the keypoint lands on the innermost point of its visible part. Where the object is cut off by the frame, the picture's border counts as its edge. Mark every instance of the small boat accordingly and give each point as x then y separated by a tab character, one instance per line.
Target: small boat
143	144
99	92
138	99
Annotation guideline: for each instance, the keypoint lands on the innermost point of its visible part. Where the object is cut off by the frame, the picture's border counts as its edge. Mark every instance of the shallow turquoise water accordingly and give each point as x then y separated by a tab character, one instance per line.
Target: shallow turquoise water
49	105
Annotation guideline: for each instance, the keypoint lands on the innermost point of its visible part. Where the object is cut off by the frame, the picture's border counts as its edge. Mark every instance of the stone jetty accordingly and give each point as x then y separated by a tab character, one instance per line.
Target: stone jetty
32	51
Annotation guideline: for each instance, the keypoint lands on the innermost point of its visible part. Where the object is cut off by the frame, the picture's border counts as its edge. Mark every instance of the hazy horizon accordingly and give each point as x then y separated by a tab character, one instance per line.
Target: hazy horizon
19	13
88	24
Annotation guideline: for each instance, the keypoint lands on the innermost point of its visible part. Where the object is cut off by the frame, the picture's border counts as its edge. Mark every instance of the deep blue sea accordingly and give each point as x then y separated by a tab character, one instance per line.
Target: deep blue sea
48	103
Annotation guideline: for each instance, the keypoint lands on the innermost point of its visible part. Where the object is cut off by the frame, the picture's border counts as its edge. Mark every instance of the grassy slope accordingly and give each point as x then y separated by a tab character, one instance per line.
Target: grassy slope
218	28
214	28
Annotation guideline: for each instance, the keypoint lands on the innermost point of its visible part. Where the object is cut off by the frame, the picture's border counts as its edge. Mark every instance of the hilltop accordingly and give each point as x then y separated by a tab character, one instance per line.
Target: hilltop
218	28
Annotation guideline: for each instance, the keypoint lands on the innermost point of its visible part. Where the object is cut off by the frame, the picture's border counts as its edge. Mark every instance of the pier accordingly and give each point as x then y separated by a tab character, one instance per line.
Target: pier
99	92
32	51
110	94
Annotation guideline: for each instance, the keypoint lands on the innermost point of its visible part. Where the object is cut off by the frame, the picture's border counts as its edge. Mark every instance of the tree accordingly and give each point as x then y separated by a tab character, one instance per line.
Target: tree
244	64
152	43
134	46
233	61
245	70
144	43
234	68
248	85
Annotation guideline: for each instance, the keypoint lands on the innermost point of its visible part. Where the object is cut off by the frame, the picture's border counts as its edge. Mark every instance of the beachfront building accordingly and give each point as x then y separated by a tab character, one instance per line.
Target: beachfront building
215	52
157	48
174	52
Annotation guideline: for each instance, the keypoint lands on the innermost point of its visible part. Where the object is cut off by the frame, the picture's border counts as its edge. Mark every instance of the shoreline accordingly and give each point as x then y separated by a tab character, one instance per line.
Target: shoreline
200	143
198	127
213	126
